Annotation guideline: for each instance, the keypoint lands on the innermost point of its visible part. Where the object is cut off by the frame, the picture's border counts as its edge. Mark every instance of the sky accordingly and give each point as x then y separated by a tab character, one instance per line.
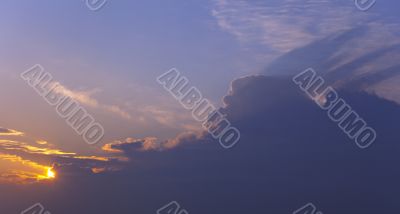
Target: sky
240	55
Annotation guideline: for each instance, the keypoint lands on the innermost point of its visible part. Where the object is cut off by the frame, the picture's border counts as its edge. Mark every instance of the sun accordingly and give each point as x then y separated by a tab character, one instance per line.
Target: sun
50	173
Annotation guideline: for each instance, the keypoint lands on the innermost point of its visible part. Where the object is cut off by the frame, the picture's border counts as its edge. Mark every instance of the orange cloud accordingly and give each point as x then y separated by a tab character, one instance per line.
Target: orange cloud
16	169
150	143
22	163
10	132
25	163
16	145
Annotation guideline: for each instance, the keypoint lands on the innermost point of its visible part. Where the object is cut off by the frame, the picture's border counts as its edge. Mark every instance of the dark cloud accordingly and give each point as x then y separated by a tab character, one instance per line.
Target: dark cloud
290	154
131	145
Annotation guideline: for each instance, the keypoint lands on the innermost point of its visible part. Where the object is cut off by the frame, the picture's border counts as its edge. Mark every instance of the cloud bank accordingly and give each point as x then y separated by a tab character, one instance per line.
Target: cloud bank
290	154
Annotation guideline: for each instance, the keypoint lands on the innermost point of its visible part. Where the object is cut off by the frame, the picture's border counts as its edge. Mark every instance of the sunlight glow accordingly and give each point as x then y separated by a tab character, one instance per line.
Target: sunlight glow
50	173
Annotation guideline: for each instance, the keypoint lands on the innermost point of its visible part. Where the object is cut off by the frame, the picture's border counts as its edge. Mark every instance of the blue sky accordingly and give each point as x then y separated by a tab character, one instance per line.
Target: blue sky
121	49
115	54
134	41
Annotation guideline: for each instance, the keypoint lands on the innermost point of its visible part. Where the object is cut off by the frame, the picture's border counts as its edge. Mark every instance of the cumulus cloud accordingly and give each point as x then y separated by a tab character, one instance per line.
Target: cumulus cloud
289	152
354	49
330	36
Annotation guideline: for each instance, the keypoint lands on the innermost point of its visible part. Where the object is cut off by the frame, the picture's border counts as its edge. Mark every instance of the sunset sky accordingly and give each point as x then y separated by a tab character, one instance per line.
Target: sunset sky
241	55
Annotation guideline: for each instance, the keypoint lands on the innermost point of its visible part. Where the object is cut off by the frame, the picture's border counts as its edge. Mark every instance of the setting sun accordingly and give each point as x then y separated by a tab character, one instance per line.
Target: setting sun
50	173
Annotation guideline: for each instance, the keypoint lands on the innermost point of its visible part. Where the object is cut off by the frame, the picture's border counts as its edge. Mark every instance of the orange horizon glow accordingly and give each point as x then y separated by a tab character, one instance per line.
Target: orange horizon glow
28	161
23	171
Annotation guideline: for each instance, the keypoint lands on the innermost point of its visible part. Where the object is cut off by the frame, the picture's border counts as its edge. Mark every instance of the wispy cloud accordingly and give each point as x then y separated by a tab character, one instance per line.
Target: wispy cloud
285	24
297	33
10	132
86	98
169	117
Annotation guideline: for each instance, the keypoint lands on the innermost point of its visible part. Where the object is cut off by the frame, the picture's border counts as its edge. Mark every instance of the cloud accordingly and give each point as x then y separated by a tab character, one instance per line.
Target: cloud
10	132
86	98
10	145
290	153
171	117
165	117
351	48
183	138
32	171
130	145
284	25
363	58
25	163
